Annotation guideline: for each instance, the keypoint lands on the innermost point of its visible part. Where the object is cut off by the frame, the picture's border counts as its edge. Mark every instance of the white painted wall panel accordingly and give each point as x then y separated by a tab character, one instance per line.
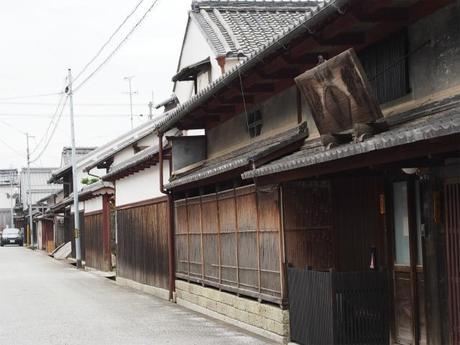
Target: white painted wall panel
140	186
195	49
93	205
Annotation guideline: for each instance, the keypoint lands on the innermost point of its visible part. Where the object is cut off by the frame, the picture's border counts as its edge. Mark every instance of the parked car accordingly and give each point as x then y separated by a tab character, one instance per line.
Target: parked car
11	236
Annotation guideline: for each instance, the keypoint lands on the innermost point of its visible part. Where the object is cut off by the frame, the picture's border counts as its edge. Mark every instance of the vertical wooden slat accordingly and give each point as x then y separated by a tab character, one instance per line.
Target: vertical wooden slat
452	220
142	243
257	240
219	251
188	236
201	237
236	238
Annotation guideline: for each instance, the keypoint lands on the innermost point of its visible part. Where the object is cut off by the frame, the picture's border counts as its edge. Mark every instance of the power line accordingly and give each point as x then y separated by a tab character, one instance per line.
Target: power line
77	104
40	116
109	40
11	148
31	96
11	126
117	48
52	133
43	138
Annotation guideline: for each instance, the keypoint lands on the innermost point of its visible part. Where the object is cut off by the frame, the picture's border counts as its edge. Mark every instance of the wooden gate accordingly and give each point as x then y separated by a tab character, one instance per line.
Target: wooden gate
331	308
452	213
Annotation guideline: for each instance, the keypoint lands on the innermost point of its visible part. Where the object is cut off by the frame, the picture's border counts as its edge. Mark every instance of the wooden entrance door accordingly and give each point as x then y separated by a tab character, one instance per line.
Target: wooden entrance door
408	283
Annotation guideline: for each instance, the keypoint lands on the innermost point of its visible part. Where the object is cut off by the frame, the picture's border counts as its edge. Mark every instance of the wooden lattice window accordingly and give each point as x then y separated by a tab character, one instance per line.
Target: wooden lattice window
254	122
386	66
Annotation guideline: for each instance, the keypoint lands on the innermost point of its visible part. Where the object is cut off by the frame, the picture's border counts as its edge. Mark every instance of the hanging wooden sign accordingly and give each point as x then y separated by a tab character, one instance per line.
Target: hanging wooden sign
339	94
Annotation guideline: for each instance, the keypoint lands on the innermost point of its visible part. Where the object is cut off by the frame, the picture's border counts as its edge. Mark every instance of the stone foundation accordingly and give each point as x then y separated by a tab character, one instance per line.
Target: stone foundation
151	290
263	319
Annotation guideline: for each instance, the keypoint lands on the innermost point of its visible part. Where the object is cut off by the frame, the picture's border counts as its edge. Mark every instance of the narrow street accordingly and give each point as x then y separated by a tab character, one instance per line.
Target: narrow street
48	302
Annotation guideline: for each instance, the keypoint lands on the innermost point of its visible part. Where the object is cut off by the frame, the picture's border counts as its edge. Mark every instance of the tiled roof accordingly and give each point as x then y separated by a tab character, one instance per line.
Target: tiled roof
141	157
233	26
283	36
79	152
428	127
240	158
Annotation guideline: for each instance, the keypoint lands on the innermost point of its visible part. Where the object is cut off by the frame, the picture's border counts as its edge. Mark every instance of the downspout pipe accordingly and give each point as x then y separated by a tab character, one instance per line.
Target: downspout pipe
171	263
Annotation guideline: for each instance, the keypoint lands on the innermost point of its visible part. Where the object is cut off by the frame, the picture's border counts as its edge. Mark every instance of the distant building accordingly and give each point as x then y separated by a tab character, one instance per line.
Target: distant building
8	187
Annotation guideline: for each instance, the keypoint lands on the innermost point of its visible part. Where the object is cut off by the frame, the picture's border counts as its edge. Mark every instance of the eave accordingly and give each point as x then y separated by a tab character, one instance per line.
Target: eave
337	26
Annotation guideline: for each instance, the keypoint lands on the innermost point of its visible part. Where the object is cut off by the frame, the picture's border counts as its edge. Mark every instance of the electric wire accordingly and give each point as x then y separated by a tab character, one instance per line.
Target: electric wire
11	148
52	132
31	96
117	48
99	52
13	127
43	138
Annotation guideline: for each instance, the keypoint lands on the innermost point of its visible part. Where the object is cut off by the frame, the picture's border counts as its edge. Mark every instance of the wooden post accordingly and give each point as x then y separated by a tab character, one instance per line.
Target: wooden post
256	194
236	238
106	251
219	250
201	238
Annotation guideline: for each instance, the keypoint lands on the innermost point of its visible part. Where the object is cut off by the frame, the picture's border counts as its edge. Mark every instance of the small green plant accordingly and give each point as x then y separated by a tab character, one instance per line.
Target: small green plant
89	180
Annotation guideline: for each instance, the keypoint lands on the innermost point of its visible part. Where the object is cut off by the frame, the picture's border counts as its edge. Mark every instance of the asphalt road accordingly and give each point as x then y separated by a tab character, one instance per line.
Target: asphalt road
43	301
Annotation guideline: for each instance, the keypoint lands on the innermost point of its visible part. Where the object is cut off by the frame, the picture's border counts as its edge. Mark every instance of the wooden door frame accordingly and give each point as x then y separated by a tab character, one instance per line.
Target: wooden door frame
411	206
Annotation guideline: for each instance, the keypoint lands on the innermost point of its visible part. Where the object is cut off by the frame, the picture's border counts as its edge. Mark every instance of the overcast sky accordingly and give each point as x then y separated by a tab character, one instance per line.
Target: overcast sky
40	40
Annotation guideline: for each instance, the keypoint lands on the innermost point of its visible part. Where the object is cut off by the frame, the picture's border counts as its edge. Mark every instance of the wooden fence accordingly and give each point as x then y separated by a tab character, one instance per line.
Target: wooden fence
142	253
452	216
335	308
94	244
231	240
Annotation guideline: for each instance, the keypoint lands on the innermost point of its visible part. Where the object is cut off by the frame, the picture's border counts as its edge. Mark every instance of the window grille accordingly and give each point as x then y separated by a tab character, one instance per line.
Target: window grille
386	66
254	122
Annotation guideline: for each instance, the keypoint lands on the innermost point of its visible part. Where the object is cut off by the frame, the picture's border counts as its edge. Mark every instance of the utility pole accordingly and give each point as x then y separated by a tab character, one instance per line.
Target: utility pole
29	194
131	93
151	108
11	200
76	208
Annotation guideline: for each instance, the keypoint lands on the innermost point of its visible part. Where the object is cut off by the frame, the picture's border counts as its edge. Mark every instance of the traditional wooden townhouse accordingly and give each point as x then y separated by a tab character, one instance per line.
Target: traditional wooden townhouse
328	173
49	225
63	176
39	188
142	219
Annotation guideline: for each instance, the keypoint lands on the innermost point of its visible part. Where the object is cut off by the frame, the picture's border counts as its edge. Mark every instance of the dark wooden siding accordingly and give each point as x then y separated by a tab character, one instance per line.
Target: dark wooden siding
94	247
452	214
231	240
358	222
308	224
142	252
333	224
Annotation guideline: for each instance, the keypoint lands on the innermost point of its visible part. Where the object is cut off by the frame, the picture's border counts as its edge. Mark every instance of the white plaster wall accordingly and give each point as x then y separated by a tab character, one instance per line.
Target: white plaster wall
4	201
124	154
93	205
140	186
195	49
81	207
149	140
279	114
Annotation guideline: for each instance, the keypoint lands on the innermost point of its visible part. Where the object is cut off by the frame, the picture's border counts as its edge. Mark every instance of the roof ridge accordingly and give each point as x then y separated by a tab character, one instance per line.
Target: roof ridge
255	4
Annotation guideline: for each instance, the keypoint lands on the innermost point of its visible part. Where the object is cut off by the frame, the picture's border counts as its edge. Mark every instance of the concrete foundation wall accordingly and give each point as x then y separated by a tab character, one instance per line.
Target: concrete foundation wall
266	320
151	290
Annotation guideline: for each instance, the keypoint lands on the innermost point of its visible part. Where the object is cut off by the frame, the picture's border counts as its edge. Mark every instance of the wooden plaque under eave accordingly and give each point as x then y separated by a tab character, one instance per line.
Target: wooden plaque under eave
339	94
